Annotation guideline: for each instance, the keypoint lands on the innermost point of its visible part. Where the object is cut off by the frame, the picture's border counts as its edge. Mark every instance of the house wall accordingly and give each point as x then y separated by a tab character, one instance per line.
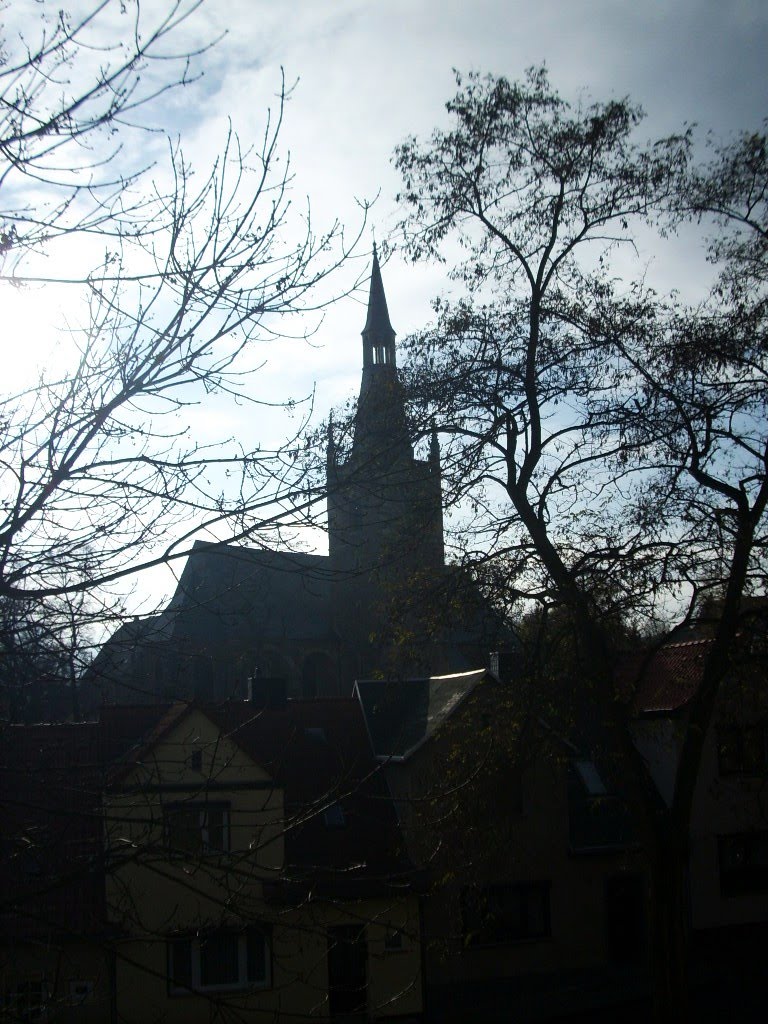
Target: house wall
482	807
298	985
724	805
659	740
155	898
151	891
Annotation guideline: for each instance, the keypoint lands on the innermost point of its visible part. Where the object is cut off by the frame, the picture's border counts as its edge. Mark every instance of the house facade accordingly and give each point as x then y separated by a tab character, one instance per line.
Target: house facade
234	863
728	845
538	886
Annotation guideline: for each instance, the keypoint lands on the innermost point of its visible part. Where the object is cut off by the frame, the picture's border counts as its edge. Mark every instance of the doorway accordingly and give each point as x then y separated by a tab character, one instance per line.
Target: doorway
347	972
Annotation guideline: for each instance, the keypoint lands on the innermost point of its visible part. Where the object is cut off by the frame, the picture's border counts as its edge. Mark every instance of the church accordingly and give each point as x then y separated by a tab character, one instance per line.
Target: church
381	604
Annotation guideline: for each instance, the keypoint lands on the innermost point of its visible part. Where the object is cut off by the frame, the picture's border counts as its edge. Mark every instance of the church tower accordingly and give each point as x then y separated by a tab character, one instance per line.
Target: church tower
385	516
385	519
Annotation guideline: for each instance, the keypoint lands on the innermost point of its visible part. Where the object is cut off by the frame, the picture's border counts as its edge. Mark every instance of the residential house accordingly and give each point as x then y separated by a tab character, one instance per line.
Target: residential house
728	851
537	902
241	862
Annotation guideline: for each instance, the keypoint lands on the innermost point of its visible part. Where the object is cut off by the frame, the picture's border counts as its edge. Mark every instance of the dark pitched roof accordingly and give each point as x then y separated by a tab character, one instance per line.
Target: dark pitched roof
401	715
228	591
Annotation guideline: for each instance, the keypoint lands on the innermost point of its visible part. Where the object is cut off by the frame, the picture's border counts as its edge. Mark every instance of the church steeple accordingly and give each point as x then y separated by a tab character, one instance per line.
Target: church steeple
380	424
378	335
384	508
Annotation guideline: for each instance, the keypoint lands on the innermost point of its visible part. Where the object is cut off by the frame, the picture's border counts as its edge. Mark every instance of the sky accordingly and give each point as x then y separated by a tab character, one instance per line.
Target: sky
371	73
367	74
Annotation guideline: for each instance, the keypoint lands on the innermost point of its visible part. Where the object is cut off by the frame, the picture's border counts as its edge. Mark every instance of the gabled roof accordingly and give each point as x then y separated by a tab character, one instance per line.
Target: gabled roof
401	715
166	717
53	779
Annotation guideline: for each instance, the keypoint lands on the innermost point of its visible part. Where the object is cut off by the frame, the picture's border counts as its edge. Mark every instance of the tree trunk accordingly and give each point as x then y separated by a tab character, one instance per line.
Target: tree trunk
670	920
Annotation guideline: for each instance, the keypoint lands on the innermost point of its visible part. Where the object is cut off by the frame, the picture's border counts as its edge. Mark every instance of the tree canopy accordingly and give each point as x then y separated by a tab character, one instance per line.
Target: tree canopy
607	445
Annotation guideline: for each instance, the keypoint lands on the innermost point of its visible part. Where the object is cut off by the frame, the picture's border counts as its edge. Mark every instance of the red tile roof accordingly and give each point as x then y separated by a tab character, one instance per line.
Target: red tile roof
664	680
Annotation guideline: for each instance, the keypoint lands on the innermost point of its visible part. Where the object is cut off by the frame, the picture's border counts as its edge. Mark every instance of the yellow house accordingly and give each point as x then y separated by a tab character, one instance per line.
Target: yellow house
252	870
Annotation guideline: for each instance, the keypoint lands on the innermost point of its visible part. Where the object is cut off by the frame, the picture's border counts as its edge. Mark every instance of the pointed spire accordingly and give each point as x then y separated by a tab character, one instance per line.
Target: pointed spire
330	452
434	447
378	334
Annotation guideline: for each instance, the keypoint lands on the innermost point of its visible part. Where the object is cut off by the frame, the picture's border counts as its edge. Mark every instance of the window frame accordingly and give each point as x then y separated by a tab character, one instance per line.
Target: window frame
245	982
203	809
27	999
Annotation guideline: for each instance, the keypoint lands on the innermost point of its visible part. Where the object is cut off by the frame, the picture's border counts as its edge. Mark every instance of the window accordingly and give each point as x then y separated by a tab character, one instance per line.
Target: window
497	914
220	961
590	777
393	941
197	828
597	820
196	760
743	863
743	750
26	1000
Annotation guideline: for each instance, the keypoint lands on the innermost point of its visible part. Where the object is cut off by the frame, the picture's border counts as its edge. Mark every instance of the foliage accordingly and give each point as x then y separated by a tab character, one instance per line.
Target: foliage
609	444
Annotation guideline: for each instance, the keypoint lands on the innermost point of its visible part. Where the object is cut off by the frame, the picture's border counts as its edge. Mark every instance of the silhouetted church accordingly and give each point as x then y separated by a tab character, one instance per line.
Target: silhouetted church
381	603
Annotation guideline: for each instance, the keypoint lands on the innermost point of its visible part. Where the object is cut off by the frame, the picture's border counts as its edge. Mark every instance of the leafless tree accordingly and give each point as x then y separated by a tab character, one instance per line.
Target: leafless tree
191	274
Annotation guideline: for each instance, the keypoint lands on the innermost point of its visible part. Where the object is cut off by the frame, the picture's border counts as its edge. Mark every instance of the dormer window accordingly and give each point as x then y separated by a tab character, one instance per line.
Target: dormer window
196	761
597	820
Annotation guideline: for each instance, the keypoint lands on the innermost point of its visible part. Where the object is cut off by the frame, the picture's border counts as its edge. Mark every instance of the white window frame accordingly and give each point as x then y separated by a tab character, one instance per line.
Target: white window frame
243	982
